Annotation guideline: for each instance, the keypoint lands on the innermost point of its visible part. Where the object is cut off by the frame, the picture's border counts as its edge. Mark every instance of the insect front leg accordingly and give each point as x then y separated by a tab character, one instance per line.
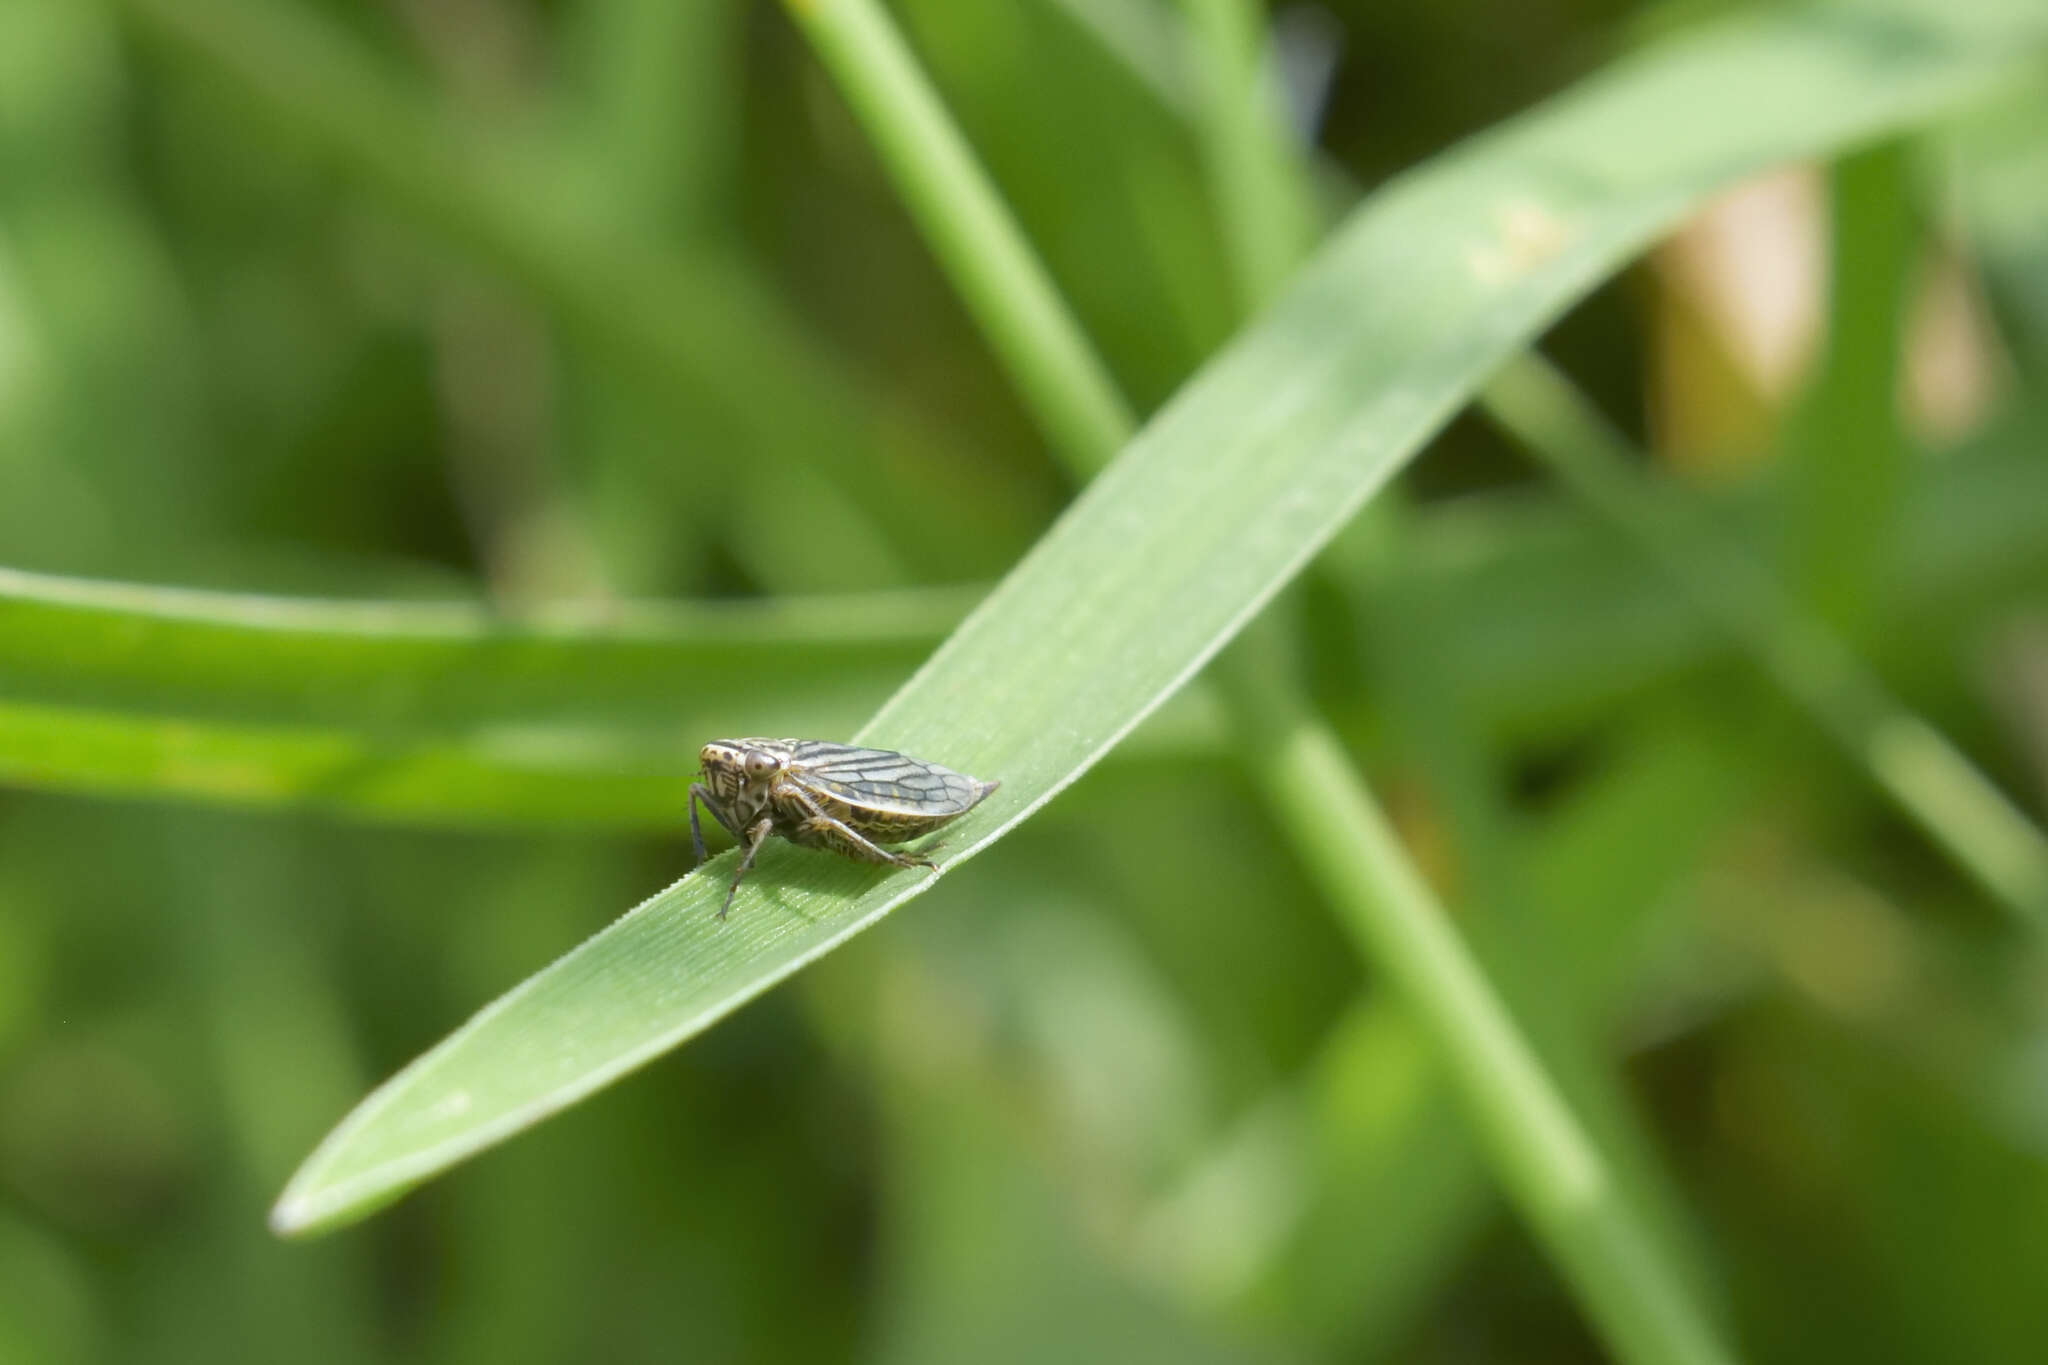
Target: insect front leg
757	834
700	792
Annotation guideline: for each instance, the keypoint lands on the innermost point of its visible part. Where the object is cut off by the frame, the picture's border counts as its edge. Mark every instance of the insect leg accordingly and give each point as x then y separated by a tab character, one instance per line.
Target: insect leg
700	792
756	836
823	831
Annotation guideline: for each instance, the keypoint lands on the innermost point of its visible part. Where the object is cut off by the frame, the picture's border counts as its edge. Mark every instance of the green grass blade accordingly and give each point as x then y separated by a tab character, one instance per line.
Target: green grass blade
1262	194
1182	539
989	260
1913	763
1496	1020
1548	622
1848	453
428	712
1547	1158
1846	490
1397	1185
445	714
1541	1151
303	658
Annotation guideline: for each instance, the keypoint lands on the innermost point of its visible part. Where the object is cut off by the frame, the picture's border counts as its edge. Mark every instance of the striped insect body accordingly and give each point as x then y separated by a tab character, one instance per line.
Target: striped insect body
836	797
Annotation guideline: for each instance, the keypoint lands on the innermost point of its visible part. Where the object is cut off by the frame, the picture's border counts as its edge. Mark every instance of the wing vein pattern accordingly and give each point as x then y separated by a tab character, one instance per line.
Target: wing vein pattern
882	779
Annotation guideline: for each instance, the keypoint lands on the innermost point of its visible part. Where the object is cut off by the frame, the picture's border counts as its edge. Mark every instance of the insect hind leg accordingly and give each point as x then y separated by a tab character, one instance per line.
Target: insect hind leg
822	831
817	829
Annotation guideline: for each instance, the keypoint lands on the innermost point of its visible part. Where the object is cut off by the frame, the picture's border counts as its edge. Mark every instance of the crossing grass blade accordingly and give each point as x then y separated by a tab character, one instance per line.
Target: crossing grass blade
429	713
1201	519
445	715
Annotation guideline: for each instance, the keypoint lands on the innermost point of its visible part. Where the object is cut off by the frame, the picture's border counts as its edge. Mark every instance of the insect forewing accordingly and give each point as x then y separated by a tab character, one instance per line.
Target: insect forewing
879	779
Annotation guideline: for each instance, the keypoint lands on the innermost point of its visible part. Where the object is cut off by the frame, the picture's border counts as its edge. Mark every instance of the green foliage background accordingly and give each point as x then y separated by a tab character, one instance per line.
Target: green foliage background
497	399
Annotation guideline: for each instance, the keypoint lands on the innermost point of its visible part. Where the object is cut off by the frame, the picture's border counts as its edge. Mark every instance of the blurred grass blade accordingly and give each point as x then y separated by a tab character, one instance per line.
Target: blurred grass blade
1847	481
1261	192
430	712
446	714
1547	621
989	261
1424	293
1397	1187
1848	454
1646	1305
1916	765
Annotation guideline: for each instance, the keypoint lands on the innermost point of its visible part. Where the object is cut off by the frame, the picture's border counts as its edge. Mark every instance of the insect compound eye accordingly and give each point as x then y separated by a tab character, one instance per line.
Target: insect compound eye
759	764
